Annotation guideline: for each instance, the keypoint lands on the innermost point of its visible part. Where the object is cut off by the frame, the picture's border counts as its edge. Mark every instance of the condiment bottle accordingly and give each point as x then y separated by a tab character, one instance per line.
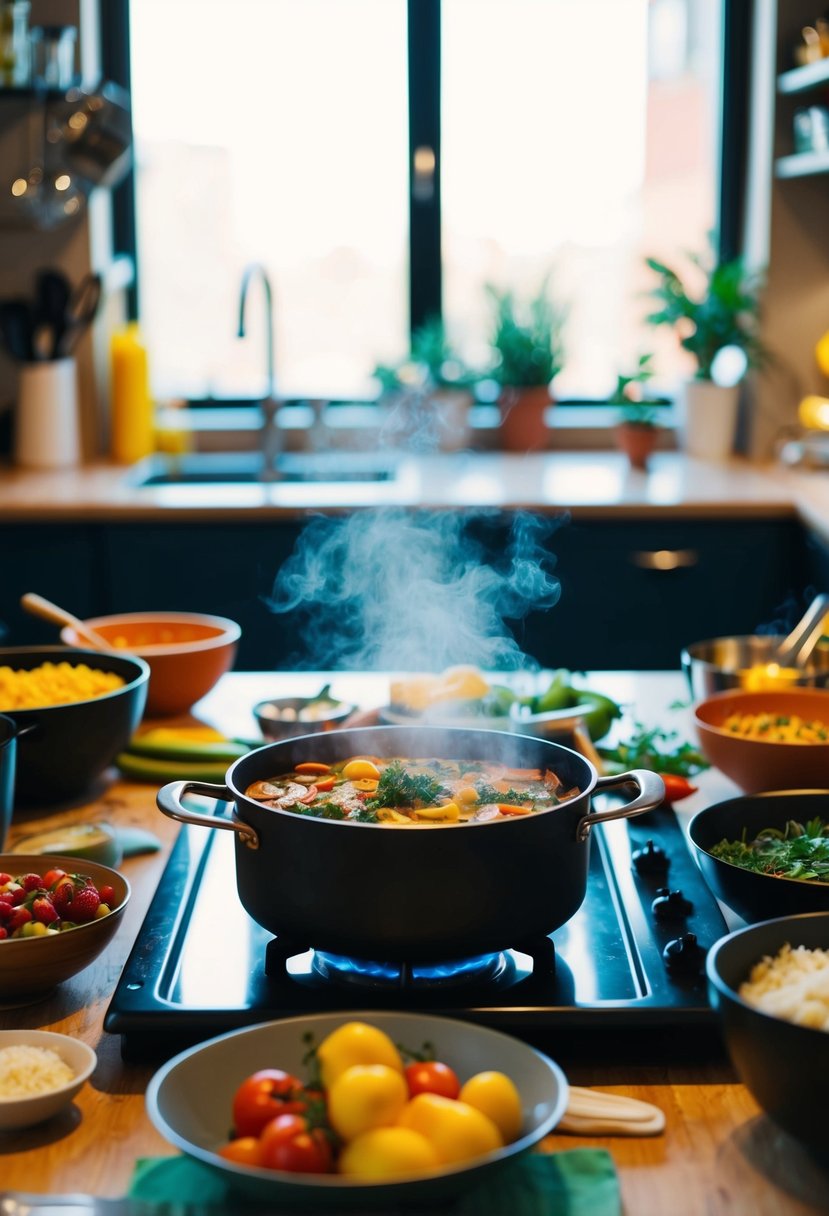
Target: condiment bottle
132	433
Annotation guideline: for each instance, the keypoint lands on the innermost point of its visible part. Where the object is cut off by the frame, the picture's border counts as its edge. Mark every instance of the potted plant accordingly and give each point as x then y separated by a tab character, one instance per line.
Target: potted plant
529	353
637	429
719	325
434	384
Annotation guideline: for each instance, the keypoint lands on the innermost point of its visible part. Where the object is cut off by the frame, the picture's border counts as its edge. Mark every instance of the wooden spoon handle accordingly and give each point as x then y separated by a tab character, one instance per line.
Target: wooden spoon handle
38	606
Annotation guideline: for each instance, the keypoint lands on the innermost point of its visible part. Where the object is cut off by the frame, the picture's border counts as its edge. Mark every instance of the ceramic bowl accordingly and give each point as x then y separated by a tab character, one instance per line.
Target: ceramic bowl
31	967
36	1108
754	896
62	749
783	1064
756	765
719	664
289	717
187	652
189	1101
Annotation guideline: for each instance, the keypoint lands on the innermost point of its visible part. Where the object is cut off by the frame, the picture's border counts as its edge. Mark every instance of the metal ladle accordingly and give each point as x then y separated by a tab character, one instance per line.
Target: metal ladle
795	649
38	606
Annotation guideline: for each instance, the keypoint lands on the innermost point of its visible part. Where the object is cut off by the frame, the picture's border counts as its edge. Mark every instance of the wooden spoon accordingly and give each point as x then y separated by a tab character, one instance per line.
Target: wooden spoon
38	606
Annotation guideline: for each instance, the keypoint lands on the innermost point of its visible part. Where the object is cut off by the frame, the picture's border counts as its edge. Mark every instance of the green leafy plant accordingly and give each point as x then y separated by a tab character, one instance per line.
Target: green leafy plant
726	312
634	408
432	363
527	337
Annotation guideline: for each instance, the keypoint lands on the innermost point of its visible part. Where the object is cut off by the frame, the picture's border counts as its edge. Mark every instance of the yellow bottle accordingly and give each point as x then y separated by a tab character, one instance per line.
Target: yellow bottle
132	433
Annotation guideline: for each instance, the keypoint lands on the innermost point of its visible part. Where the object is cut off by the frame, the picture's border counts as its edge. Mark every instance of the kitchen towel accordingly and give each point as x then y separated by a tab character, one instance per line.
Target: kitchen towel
576	1182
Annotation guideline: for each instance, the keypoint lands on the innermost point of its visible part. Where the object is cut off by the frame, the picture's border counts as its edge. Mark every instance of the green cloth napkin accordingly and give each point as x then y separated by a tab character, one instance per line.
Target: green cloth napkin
578	1182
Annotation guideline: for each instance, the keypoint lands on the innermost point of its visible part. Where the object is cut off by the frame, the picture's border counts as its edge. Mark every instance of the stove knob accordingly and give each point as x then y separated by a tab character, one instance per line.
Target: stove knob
671	905
652	859
683	955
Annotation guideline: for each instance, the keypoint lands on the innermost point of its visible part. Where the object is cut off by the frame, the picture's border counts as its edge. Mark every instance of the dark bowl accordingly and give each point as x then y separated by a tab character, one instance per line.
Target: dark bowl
784	1065
756	897
289	717
61	749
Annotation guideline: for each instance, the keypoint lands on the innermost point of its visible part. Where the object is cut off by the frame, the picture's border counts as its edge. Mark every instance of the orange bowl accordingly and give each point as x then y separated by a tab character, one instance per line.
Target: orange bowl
757	765
187	652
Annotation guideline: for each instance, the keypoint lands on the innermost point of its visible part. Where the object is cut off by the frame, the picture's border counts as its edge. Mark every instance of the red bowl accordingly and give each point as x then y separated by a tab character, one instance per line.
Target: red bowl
758	765
187	652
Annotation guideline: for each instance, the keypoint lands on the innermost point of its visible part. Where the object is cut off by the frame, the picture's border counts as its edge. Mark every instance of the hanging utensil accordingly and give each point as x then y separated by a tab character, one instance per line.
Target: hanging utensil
80	313
47	611
795	649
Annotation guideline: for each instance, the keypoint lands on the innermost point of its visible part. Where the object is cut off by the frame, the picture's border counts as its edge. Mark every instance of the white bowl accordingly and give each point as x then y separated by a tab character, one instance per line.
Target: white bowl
189	1101
24	1112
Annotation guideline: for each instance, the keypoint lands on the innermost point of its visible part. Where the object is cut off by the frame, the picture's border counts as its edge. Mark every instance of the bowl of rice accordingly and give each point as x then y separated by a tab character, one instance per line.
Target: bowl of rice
75	711
40	1073
768	739
770	985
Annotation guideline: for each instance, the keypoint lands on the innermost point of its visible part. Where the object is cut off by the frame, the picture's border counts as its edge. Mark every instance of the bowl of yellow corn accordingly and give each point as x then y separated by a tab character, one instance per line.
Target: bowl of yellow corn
75	711
768	739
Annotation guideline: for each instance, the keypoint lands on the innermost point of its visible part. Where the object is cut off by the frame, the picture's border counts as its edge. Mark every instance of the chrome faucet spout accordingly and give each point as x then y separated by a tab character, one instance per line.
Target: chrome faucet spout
270	404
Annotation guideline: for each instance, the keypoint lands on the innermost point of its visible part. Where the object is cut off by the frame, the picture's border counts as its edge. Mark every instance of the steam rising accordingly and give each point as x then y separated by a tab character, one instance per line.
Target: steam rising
399	591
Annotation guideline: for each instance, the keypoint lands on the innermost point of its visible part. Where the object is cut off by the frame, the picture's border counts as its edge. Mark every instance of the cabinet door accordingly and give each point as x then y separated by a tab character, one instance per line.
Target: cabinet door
58	561
633	594
817	561
224	569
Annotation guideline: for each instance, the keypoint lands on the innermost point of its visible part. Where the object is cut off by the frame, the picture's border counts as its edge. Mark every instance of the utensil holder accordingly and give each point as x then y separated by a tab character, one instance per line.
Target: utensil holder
46	426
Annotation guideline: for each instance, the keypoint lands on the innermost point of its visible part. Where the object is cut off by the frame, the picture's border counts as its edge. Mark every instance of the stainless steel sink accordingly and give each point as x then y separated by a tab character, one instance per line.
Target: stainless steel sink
208	468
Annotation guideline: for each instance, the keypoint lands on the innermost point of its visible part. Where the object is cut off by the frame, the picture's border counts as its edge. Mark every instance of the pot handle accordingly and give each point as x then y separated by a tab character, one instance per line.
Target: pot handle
651	793
168	800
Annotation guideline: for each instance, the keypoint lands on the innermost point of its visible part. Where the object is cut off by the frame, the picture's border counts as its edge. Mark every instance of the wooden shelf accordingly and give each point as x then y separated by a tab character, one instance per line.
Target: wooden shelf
800	80
802	164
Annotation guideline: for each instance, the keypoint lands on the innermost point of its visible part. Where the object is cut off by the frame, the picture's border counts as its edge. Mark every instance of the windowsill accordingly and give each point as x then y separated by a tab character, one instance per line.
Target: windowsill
236	428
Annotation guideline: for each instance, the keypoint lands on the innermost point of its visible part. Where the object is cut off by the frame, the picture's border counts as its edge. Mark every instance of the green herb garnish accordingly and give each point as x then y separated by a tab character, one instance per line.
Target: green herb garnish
648	749
398	787
799	851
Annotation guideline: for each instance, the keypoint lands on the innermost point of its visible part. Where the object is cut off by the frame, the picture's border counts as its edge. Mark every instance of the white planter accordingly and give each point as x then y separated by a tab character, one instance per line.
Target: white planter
707	417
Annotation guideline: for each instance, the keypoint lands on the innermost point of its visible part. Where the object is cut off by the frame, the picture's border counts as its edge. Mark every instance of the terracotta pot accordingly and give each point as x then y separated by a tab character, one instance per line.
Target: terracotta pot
524	418
636	441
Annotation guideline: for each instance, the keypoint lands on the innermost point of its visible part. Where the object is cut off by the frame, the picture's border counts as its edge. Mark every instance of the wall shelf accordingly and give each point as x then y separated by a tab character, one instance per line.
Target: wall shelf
802	164
800	80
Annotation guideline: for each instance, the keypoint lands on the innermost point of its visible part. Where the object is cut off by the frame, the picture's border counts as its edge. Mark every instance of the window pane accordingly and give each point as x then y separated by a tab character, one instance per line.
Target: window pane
577	140
272	131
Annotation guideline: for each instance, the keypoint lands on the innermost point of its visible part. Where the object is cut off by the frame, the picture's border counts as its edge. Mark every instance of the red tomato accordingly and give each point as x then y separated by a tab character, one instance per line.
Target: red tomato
677	787
263	1096
245	1151
432	1077
51	877
287	1143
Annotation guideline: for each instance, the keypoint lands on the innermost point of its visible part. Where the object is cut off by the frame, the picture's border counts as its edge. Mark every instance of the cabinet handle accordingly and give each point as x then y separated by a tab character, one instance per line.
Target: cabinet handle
664	559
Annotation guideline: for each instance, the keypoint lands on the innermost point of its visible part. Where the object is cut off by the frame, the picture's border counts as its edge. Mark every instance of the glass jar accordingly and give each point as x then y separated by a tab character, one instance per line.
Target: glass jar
53	56
15	60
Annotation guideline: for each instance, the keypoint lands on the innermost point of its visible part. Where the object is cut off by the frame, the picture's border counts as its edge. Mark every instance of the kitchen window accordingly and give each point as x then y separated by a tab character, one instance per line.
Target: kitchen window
385	160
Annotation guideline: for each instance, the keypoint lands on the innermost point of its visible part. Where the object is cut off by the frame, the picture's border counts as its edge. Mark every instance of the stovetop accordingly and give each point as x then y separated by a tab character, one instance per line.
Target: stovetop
632	956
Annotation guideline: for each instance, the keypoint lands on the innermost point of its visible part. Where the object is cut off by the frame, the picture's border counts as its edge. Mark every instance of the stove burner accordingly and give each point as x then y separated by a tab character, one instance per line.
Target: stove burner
341	969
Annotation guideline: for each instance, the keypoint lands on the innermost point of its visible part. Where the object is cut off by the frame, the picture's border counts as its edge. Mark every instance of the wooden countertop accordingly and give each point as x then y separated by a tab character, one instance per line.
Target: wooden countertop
719	1153
589	484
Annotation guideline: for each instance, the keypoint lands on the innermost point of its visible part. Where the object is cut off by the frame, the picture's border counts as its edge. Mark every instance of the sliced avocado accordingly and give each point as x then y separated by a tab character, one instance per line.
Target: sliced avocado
156	769
189	750
91	841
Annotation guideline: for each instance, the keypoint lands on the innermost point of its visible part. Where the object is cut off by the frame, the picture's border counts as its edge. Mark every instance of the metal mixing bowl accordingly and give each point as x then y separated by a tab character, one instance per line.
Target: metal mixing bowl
719	664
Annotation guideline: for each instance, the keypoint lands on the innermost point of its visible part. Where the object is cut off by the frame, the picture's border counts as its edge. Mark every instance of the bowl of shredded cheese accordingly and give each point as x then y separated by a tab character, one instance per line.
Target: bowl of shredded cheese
75	711
768	739
40	1074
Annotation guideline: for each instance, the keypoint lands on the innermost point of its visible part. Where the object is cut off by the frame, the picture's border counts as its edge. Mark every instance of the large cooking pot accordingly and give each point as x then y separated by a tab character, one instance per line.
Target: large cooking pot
402	893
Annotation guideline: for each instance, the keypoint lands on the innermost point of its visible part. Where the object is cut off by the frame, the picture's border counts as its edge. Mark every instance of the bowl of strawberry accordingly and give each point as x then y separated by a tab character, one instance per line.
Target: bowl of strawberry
56	916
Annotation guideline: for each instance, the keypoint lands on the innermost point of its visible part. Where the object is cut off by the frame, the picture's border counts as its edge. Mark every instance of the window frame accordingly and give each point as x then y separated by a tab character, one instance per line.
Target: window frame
424	90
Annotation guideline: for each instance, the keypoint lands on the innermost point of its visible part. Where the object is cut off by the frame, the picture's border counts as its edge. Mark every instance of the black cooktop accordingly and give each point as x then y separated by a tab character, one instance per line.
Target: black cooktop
631	957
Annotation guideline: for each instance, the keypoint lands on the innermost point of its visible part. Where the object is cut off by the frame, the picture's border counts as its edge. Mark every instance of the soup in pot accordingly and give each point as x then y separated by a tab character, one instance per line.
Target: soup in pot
368	789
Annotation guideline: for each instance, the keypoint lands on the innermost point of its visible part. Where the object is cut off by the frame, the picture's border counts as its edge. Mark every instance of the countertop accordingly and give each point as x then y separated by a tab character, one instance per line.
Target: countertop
719	1154
597	484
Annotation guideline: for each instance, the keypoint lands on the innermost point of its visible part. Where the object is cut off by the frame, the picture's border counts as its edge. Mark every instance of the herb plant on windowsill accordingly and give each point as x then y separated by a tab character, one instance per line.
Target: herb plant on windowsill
528	349
432	389
637	430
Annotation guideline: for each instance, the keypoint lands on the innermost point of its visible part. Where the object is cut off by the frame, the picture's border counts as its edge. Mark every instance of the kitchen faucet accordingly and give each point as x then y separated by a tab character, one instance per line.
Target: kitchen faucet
269	435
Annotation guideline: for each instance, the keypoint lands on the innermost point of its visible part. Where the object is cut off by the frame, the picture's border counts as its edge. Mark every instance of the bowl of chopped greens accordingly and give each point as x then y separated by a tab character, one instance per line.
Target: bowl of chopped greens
766	855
